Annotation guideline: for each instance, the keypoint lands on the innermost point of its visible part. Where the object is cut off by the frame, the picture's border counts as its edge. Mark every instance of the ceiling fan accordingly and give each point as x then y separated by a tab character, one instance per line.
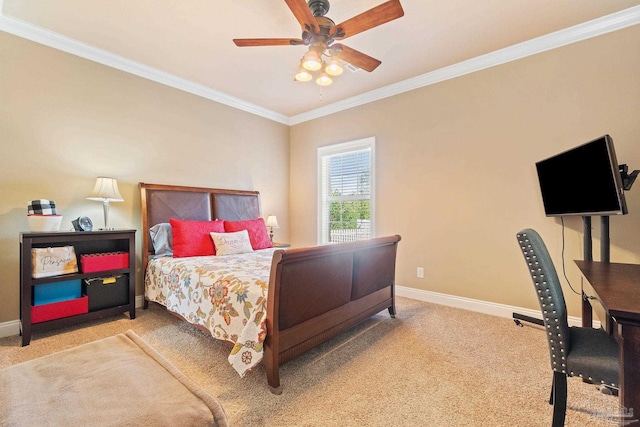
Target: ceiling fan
320	34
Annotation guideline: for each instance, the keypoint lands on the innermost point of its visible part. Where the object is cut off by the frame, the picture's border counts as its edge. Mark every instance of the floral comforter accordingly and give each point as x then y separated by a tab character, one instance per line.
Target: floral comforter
225	294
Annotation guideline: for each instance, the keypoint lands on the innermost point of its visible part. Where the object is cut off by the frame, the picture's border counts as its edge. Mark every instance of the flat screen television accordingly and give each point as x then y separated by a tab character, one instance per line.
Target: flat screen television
584	180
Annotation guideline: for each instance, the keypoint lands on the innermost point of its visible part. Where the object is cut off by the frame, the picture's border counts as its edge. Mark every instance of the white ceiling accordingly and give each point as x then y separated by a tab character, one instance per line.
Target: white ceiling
188	44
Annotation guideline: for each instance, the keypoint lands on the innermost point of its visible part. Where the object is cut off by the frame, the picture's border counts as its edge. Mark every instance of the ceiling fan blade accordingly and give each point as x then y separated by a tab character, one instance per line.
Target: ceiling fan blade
379	15
267	42
356	58
303	14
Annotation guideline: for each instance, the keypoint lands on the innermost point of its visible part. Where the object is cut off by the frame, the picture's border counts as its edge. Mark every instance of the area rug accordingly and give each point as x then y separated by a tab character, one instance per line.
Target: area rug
115	381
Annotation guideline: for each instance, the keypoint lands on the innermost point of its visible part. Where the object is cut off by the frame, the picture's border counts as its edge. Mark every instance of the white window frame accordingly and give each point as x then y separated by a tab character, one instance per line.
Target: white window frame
341	148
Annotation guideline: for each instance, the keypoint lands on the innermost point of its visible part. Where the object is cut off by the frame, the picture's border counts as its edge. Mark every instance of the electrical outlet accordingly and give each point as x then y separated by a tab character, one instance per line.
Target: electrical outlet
420	273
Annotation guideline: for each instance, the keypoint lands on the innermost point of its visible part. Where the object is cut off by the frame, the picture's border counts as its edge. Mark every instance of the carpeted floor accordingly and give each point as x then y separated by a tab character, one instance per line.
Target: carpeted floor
98	383
432	366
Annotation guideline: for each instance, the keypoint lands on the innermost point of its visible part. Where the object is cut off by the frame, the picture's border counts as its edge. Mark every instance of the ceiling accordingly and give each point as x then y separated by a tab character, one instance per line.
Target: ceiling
188	44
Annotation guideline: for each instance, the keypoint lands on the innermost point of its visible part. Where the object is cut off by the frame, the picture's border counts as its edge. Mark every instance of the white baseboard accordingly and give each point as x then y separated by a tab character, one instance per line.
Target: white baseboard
7	329
139	301
12	327
495	309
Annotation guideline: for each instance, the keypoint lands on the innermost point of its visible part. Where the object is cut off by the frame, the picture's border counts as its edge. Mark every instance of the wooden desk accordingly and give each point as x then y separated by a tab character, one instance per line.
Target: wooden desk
612	290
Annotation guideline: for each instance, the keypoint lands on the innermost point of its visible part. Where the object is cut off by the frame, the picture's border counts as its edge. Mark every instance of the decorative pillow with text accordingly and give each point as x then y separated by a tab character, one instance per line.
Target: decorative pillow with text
231	243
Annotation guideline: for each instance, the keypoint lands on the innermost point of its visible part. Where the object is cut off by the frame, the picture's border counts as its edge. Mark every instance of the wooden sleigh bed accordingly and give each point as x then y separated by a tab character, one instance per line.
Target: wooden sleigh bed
313	293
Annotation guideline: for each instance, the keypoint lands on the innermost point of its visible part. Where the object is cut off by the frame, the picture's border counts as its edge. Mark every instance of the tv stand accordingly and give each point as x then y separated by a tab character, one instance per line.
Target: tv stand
605	242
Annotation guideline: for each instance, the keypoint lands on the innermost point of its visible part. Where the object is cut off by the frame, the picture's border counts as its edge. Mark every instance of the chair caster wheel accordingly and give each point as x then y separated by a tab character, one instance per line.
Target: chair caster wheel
610	391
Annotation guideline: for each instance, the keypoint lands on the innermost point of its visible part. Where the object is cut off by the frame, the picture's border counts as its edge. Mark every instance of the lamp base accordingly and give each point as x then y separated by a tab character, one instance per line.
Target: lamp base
105	208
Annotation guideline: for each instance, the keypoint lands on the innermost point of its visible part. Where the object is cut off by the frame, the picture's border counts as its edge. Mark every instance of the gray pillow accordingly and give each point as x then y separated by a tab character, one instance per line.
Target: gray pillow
161	239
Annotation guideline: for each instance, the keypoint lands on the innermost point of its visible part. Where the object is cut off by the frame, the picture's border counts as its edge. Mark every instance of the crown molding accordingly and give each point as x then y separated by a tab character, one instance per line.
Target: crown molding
606	24
57	41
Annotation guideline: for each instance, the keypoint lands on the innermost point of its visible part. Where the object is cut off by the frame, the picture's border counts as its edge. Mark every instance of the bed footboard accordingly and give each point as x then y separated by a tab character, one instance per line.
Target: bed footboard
316	293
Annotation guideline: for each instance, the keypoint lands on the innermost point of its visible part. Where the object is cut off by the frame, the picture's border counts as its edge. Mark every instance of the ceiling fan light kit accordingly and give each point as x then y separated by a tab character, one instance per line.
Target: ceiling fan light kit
334	67
320	33
324	79
312	60
303	75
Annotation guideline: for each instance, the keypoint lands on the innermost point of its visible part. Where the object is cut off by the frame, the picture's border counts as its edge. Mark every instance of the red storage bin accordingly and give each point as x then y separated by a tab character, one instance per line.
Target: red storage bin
90	263
56	310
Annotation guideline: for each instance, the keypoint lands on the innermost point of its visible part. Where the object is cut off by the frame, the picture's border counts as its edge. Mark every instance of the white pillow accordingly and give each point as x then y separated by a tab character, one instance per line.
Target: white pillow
231	243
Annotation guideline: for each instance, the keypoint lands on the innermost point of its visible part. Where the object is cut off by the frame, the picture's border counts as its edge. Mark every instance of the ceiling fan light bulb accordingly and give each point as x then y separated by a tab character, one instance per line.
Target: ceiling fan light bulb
324	80
312	65
311	61
303	75
334	68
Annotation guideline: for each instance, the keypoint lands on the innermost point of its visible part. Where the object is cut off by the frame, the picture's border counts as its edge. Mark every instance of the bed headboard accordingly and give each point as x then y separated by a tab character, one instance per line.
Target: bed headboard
162	202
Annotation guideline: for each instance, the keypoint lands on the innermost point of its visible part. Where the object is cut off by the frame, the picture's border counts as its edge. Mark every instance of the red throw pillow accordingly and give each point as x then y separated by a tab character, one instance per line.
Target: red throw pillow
192	238
258	234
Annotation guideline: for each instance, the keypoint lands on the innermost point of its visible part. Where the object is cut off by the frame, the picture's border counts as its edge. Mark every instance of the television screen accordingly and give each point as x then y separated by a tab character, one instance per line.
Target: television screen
584	180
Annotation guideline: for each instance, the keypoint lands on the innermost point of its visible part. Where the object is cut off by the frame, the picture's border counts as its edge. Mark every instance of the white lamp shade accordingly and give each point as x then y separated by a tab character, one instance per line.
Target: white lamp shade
106	189
272	221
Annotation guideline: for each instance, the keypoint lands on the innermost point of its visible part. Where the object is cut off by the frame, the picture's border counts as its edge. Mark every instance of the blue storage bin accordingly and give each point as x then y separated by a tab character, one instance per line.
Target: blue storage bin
48	293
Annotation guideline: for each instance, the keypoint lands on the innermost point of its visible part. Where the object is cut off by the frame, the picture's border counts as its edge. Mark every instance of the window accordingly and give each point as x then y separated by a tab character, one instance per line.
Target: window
345	191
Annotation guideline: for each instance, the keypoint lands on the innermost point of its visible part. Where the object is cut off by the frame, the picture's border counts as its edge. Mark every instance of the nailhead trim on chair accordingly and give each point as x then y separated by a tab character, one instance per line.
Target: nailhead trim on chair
551	315
551	320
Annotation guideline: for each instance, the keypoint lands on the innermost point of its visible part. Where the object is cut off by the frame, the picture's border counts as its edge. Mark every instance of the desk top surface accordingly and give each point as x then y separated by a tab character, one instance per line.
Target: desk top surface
616	285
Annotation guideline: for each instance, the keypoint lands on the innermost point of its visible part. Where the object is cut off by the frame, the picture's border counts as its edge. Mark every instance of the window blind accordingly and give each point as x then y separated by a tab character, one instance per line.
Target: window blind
346	190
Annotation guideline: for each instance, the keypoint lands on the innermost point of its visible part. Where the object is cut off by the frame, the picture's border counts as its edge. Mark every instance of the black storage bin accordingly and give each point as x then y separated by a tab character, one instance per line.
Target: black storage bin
106	292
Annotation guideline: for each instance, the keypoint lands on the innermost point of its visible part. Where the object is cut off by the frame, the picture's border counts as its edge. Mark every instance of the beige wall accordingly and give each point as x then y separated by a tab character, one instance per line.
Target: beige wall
65	120
455	161
455	165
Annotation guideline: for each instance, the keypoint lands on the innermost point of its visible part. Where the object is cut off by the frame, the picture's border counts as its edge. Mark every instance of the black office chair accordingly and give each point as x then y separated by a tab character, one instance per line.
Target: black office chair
589	353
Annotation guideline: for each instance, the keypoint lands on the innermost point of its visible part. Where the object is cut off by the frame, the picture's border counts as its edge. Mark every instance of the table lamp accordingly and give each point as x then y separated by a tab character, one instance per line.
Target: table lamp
272	222
105	191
